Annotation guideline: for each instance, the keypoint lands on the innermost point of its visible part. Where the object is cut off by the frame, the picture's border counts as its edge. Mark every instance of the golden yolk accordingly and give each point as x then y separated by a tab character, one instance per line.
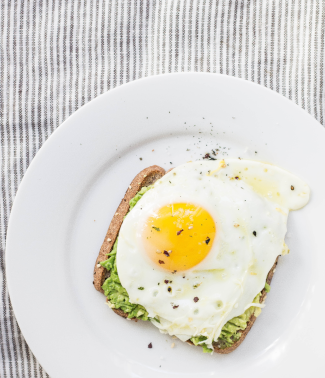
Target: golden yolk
179	236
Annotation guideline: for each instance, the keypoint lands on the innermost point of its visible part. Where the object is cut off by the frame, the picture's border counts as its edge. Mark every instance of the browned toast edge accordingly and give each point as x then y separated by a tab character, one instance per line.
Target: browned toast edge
146	177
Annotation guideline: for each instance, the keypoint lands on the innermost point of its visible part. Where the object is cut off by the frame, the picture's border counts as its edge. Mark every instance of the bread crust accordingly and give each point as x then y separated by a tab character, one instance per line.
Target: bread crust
146	177
149	176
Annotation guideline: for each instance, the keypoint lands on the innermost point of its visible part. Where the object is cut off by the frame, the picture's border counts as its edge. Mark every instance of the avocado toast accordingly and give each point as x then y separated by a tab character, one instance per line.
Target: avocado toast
106	278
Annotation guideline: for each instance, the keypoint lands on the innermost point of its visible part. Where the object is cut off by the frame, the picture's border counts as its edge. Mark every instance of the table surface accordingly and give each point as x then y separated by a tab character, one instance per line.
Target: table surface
58	55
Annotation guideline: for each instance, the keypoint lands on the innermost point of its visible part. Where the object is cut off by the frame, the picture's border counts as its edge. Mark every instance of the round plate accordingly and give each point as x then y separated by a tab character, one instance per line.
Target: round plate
70	193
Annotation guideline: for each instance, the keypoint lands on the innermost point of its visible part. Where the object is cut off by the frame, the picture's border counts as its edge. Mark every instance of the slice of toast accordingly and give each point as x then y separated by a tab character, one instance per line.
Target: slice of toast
147	177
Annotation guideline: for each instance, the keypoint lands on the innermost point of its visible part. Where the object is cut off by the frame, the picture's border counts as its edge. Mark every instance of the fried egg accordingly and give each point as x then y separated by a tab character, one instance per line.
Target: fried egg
197	247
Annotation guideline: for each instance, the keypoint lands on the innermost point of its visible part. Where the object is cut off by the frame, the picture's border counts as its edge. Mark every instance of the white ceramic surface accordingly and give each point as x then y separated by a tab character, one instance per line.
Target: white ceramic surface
73	186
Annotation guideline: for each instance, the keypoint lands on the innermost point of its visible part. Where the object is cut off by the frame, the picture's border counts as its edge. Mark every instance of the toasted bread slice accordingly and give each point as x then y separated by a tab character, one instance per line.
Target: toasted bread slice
147	177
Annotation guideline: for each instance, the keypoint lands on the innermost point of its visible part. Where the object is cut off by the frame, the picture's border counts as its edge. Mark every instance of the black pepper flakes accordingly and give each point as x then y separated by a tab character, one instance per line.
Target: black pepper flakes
196	299
166	253
209	157
169	289
292	187
140	158
254	233
176	306
180	231
161	262
207	240
150	346
166	281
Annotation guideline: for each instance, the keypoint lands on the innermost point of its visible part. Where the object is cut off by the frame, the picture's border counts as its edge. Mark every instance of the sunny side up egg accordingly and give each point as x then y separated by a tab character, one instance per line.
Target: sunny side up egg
196	249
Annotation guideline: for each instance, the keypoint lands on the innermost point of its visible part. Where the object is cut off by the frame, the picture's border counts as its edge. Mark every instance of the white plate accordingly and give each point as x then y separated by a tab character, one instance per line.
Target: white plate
73	186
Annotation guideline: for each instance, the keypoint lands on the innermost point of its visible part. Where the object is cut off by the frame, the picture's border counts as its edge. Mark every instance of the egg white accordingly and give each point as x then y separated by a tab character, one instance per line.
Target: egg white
253	195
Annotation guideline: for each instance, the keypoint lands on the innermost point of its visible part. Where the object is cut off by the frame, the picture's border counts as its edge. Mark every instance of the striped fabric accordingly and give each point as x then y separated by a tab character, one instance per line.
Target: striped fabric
58	55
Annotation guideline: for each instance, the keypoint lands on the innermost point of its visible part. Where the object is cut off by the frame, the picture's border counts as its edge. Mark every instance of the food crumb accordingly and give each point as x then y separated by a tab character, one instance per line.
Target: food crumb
140	158
173	345
108	239
150	346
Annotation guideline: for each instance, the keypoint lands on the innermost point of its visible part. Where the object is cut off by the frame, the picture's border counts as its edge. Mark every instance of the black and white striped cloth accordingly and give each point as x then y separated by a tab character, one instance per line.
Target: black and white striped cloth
56	55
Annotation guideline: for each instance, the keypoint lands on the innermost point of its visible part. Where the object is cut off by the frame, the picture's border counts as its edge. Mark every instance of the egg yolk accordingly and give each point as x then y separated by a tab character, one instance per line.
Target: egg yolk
179	236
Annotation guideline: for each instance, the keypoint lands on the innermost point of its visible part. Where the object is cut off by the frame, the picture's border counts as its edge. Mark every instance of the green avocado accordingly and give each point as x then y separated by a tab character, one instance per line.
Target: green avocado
267	287
138	196
118	298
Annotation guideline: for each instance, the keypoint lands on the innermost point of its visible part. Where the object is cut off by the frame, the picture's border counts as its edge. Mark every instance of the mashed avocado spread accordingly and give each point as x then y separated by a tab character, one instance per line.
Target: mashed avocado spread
118	298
